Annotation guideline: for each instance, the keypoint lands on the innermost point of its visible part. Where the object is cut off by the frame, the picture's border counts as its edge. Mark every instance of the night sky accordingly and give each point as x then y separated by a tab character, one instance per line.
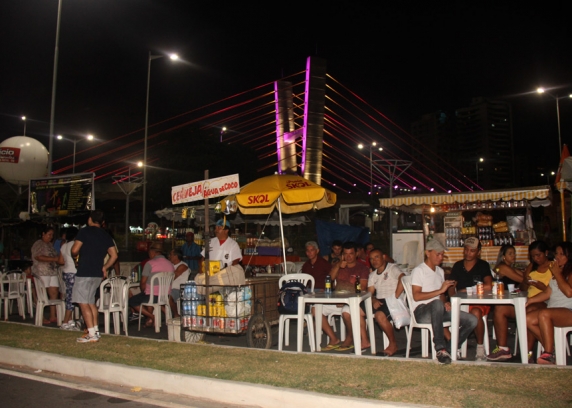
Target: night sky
404	60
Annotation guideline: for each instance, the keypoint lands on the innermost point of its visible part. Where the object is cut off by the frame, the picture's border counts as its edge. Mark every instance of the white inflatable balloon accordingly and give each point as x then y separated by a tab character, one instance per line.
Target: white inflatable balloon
21	159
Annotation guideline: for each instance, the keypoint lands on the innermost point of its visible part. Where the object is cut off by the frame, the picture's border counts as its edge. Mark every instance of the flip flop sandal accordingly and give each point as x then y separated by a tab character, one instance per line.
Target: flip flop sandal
345	348
331	347
149	323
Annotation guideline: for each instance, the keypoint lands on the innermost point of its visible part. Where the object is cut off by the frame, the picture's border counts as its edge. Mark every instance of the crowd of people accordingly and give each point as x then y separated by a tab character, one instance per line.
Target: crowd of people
546	280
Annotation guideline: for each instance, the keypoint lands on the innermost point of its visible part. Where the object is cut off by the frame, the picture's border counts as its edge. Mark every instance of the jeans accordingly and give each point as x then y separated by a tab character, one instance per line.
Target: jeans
435	313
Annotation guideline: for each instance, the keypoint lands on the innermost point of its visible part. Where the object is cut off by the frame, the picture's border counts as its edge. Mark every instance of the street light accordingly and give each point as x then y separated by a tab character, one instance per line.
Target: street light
222	132
546	174
74	141
556	98
371	146
133	183
477	167
24	119
54	81
173	57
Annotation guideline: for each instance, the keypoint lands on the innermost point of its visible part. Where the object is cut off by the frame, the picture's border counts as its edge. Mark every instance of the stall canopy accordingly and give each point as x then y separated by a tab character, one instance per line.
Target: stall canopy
536	197
272	220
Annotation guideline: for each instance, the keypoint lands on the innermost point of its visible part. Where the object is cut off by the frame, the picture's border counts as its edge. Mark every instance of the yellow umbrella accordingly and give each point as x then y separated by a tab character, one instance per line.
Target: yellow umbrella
289	193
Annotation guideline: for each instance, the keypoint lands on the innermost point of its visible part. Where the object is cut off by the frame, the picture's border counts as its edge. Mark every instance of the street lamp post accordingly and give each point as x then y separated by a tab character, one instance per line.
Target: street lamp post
371	146
74	141
24	119
477	167
173	57
557	99
222	133
133	183
54	81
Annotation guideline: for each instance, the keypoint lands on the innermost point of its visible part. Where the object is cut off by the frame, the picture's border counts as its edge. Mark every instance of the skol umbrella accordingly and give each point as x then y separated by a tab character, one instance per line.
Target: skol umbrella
288	193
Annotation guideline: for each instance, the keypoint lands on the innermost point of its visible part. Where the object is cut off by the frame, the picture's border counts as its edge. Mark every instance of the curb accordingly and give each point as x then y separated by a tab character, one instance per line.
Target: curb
230	392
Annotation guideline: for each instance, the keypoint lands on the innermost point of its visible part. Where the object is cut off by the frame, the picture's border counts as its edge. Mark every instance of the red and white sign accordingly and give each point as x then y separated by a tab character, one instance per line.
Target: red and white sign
9	154
201	190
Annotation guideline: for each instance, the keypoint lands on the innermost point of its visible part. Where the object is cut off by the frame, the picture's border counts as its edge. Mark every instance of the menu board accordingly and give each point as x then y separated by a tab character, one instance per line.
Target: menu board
60	195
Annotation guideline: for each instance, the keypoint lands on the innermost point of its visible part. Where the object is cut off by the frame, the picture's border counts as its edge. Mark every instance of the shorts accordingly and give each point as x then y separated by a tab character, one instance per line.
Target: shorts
51	281
84	290
137	299
331	309
175	294
383	309
484	308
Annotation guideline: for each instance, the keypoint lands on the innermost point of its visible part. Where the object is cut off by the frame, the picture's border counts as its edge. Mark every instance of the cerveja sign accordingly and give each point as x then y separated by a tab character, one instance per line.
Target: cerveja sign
9	154
201	190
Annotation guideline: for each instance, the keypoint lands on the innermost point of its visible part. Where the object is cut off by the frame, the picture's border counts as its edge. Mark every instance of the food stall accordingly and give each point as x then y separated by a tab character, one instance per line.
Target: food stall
496	217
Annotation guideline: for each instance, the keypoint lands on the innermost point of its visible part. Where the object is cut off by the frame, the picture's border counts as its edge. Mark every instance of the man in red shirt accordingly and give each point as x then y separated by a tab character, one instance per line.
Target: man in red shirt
316	266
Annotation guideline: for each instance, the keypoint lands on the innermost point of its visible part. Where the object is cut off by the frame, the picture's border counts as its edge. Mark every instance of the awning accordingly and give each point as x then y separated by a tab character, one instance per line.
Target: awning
535	196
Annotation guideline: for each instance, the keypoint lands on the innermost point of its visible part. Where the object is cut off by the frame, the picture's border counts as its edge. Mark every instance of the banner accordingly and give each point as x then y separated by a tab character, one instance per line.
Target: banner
201	190
58	195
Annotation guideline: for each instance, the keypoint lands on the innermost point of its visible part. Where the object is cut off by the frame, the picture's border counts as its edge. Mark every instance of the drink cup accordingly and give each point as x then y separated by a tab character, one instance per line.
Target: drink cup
510	287
469	290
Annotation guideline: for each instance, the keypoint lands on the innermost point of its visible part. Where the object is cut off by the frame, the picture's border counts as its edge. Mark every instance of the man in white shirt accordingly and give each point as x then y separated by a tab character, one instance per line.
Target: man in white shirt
222	248
428	287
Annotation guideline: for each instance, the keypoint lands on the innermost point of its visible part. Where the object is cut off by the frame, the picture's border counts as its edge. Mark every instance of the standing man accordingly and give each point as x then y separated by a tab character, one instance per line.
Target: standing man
92	244
222	248
345	273
316	266
191	254
428	287
466	272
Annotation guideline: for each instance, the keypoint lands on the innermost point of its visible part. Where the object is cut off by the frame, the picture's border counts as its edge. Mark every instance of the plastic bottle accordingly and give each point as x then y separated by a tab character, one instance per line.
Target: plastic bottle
358	285
328	284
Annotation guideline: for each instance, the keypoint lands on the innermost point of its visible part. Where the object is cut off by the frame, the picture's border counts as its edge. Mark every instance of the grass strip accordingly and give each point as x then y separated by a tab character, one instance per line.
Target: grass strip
456	385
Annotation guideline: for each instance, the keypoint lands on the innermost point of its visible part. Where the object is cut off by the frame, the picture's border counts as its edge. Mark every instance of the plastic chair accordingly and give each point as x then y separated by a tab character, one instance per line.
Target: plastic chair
284	322
44	301
12	288
485	340
114	303
164	281
423	326
561	346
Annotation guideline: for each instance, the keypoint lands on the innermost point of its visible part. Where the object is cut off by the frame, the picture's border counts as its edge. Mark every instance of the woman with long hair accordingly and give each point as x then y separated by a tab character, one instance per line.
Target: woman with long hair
68	274
535	279
504	266
558	296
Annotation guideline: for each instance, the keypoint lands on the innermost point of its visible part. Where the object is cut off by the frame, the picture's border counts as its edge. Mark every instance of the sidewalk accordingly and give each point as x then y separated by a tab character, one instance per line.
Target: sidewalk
197	391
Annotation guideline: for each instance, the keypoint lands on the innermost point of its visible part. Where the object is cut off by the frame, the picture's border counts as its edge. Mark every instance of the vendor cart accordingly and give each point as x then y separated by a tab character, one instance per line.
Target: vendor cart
496	217
249	309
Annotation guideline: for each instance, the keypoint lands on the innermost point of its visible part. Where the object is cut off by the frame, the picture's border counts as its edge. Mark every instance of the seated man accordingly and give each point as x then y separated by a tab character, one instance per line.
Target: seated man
182	273
384	281
336	254
428	287
316	266
345	274
157	263
466	272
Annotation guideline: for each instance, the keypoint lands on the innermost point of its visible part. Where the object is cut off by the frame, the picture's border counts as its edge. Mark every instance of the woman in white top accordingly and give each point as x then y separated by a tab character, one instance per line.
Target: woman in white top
558	296
69	272
182	272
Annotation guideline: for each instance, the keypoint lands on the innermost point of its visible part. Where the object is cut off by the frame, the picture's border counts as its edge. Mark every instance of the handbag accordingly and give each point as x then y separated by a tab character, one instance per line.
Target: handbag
399	312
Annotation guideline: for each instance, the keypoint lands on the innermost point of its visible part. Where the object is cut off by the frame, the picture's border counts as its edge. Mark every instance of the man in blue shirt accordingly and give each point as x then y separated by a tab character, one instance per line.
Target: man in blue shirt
191	254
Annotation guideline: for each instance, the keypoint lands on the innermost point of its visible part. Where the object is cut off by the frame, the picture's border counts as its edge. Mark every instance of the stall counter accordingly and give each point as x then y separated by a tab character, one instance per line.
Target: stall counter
488	253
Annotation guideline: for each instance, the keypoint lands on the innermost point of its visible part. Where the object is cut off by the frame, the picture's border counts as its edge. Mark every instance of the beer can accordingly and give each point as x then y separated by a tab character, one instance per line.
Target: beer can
480	288
500	289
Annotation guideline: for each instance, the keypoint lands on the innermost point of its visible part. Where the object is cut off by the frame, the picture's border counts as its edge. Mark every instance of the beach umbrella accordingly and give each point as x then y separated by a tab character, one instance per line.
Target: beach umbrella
288	193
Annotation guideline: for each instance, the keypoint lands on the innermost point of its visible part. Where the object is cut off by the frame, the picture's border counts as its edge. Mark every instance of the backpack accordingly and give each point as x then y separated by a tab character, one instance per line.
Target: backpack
288	297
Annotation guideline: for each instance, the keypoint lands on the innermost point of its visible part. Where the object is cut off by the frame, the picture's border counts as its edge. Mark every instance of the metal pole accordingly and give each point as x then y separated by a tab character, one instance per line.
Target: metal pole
559	136
370	171
477	168
145	143
24	127
73	166
127	211
54	80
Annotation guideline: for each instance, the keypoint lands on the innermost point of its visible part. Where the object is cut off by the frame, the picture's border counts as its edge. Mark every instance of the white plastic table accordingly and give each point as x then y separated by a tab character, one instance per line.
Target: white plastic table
320	298
517	300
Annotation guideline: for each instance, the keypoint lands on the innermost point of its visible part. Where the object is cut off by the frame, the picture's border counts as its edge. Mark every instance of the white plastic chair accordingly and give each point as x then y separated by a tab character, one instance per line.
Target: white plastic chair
43	301
114	303
12	288
561	346
284	321
164	281
406	280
